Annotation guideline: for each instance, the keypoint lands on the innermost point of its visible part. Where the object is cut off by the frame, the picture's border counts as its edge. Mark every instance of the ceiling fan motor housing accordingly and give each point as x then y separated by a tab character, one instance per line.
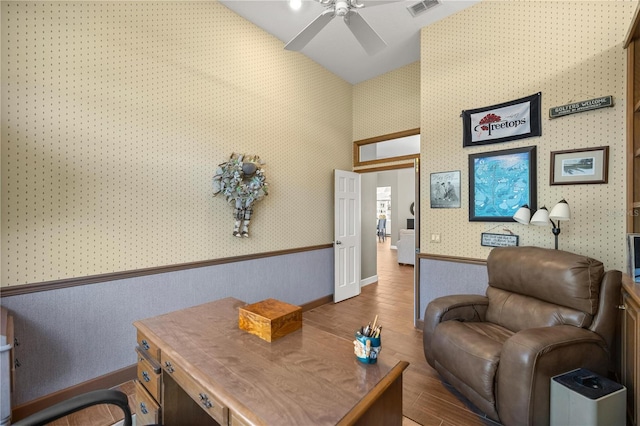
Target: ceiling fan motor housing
342	7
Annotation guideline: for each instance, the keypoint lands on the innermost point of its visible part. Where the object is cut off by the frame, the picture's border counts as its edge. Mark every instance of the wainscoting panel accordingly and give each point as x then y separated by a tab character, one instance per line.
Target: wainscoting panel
71	335
444	277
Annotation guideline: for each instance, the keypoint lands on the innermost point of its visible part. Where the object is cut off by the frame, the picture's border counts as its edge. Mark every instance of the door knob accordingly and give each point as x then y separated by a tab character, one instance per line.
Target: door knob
338	242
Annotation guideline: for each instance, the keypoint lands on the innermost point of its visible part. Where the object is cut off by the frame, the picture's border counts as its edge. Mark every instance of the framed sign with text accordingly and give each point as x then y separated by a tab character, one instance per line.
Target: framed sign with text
582	106
498	240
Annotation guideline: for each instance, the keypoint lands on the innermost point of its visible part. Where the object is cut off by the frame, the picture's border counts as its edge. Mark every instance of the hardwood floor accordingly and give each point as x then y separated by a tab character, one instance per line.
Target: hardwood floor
426	400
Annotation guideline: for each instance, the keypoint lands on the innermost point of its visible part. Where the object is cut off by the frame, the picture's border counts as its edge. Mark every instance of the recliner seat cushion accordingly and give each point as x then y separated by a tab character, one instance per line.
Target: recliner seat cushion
470	351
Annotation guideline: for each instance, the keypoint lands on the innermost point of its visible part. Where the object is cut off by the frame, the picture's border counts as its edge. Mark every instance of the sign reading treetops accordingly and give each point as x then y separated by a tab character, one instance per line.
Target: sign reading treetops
508	121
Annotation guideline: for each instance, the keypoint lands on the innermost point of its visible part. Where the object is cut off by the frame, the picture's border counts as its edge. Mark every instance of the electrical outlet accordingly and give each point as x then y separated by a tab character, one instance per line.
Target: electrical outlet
435	238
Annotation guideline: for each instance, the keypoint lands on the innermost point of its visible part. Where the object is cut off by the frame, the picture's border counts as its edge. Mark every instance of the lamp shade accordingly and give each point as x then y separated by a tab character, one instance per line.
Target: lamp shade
523	215
560	211
541	217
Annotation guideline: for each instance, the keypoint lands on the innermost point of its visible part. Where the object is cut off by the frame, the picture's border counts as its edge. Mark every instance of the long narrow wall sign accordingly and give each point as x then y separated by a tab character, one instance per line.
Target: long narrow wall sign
591	104
498	240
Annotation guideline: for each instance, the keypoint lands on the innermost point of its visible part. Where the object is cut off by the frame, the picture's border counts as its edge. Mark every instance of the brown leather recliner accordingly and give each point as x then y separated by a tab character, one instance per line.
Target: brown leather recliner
545	312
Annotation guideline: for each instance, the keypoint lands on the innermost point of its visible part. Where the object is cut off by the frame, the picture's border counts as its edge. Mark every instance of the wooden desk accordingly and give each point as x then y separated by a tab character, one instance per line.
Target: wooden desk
309	377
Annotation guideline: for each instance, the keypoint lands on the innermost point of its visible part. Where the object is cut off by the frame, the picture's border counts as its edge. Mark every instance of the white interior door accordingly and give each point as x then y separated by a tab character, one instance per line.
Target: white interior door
346	235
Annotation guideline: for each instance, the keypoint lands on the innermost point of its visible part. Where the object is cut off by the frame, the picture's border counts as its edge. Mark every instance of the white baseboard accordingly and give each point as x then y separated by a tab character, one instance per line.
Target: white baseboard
393	247
370	280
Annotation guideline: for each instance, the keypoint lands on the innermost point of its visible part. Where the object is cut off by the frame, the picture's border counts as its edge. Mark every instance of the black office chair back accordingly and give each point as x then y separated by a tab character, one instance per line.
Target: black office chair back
77	403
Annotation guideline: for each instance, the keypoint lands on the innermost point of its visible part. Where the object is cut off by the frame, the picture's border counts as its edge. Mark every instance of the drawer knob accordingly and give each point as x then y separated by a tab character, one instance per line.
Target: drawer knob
143	408
205	400
168	367
144	344
146	377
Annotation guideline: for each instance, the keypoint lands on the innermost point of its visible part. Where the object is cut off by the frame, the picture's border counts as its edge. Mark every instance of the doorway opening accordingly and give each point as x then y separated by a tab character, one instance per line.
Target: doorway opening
401	174
395	196
393	257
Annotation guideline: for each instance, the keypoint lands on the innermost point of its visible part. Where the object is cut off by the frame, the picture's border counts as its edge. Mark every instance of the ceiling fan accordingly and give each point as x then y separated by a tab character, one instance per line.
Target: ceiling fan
348	9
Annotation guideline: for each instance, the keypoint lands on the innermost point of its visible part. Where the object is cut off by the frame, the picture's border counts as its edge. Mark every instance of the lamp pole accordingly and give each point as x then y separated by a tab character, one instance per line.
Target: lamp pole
555	230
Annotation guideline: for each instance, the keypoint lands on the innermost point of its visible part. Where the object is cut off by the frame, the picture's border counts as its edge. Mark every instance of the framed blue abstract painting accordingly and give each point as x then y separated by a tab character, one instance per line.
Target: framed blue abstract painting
500	182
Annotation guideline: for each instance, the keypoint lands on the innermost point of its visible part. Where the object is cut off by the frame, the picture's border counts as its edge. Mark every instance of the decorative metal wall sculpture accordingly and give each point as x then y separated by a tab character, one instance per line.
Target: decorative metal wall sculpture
241	180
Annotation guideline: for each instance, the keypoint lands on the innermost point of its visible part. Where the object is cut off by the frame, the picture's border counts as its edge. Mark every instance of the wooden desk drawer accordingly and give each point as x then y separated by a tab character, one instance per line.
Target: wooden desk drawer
147	410
208	402
149	374
147	345
237	421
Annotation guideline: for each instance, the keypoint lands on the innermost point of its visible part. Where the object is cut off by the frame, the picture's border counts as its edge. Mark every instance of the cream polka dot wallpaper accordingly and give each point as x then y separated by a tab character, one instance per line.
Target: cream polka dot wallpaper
115	116
387	104
497	51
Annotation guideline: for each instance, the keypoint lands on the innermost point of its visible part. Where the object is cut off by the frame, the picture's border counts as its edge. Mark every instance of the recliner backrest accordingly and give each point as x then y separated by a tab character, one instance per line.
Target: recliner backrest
535	287
516	312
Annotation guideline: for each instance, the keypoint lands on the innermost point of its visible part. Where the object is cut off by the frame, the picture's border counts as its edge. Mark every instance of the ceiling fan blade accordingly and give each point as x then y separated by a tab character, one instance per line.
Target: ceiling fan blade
310	31
372	3
367	36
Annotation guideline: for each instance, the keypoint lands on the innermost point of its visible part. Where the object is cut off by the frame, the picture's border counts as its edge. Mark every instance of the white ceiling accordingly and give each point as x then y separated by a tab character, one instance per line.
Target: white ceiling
335	47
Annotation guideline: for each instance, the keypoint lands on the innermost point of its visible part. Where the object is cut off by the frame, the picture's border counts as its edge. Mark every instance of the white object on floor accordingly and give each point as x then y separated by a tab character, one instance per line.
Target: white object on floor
407	246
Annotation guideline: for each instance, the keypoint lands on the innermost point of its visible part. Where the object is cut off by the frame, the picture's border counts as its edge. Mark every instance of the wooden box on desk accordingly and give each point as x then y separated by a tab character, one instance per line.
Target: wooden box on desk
270	319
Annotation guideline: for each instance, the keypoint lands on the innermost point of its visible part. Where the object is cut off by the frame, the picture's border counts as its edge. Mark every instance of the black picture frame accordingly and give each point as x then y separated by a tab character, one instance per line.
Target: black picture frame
500	182
445	190
483	126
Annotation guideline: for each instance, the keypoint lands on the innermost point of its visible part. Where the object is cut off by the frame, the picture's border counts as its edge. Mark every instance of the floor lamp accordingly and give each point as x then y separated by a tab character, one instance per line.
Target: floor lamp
560	212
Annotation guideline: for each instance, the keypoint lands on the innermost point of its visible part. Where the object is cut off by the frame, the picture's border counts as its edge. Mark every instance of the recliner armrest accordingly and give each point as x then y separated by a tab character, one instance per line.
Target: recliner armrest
531	357
460	307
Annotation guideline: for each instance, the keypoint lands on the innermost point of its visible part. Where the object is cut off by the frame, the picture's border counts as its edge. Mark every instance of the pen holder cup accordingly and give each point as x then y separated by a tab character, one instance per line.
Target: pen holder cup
367	353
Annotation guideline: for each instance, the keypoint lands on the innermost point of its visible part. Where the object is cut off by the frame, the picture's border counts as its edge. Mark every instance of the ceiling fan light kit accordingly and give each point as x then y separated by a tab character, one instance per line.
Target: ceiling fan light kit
295	4
368	38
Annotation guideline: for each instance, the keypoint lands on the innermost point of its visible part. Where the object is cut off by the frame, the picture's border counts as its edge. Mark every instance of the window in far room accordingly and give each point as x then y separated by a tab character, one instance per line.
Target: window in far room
402	146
